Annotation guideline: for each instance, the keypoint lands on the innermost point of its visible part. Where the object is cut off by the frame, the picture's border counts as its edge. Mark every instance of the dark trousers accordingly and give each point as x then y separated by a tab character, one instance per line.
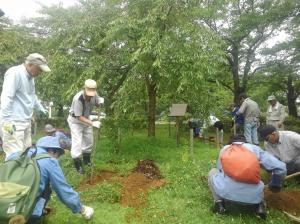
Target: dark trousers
293	166
34	220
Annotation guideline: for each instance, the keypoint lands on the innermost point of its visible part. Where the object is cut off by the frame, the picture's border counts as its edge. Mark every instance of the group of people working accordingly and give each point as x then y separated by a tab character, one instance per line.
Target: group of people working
18	100
281	156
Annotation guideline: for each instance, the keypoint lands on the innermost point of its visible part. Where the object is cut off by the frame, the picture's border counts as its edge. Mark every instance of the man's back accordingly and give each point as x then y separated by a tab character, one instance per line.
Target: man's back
250	110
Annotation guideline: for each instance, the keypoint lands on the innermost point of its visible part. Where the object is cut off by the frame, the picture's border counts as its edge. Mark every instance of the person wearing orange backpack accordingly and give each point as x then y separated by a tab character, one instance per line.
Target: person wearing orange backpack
237	176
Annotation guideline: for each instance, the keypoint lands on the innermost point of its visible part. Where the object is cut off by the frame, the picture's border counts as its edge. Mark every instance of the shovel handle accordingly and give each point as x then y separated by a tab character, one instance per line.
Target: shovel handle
292	217
292	175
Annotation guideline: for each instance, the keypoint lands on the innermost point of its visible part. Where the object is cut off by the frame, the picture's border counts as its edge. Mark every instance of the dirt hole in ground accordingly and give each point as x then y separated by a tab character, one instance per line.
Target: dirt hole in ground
144	176
287	200
98	177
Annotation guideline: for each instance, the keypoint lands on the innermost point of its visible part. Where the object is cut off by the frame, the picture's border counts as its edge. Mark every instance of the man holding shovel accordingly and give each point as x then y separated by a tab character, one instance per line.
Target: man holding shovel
80	124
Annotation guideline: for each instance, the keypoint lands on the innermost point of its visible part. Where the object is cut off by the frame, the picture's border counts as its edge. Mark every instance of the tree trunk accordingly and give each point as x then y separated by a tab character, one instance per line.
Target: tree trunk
291	98
234	63
151	88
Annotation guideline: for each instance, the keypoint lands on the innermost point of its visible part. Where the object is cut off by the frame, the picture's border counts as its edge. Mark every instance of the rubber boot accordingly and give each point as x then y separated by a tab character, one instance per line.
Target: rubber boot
261	210
87	159
78	165
219	207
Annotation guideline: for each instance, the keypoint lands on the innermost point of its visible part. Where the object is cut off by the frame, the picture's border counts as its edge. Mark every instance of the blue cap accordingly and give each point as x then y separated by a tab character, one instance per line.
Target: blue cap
50	142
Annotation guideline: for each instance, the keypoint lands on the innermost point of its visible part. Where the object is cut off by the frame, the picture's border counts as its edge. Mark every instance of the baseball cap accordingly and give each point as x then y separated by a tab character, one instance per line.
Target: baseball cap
39	60
49	128
272	97
266	130
90	86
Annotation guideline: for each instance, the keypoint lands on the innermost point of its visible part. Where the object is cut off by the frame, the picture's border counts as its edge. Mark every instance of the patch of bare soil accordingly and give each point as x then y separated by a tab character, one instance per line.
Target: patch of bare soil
135	188
98	177
287	200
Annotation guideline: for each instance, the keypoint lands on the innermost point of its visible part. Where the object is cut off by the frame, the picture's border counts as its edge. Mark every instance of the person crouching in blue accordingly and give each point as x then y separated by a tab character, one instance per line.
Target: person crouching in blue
52	175
228	188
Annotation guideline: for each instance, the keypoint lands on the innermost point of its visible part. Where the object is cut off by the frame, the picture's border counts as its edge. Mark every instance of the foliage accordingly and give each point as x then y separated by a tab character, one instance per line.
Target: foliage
245	26
16	43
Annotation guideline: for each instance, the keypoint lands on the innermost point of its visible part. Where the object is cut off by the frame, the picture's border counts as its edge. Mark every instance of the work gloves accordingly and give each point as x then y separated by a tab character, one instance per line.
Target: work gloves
100	100
276	183
9	127
87	212
96	124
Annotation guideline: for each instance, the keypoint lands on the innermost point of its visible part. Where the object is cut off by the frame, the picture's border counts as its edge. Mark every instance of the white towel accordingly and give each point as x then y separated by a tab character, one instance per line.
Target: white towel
275	107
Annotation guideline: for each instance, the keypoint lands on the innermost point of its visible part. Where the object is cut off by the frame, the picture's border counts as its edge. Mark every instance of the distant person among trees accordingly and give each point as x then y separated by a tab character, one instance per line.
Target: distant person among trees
214	121
251	113
195	124
81	126
275	113
285	145
18	99
238	119
244	188
51	131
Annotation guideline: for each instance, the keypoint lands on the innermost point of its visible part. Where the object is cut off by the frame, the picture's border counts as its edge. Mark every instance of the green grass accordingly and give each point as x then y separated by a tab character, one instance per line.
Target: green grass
185	198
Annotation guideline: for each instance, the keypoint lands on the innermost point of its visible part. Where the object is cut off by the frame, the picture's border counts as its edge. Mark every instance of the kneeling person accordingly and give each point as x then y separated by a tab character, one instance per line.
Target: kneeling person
285	145
52	175
226	186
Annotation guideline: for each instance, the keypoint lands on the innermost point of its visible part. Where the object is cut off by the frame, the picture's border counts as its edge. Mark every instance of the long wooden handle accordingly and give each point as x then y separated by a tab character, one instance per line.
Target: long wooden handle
292	175
292	217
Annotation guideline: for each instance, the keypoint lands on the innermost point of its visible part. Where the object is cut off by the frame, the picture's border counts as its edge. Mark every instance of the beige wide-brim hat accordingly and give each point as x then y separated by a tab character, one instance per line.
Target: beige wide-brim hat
272	97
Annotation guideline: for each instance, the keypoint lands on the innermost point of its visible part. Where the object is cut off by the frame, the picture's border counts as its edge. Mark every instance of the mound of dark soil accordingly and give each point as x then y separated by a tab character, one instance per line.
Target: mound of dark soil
148	168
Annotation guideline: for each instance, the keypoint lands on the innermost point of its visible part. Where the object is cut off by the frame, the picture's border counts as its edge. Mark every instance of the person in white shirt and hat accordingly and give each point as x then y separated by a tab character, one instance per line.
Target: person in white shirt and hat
18	99
81	125
275	113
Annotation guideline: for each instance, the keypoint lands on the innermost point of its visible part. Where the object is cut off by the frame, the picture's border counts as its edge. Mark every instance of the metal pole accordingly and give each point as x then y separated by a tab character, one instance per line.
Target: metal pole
217	138
234	126
169	127
191	143
177	131
96	134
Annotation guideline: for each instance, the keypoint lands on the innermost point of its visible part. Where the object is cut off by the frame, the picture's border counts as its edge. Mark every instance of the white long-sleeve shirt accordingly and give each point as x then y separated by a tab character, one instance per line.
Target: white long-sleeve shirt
18	96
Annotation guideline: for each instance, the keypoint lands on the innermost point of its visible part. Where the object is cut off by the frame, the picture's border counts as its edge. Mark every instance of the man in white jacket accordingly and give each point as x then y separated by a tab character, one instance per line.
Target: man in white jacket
18	99
275	114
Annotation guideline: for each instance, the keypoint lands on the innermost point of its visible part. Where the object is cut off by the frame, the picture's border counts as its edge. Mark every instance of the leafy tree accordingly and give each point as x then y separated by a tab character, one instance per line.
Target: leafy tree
125	44
16	43
245	25
172	54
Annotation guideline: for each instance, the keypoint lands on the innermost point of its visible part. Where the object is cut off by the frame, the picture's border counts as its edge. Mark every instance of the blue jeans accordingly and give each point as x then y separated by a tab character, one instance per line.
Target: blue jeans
250	132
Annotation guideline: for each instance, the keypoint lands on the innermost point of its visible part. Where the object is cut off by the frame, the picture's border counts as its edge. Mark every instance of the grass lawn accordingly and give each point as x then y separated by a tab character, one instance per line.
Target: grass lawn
184	198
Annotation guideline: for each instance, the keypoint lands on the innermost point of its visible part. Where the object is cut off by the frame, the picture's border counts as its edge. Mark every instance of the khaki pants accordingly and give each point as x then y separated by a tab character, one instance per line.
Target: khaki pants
82	137
18	140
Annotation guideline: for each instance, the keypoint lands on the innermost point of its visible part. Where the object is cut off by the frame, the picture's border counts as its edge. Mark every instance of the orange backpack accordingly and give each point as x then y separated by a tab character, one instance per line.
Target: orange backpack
241	164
